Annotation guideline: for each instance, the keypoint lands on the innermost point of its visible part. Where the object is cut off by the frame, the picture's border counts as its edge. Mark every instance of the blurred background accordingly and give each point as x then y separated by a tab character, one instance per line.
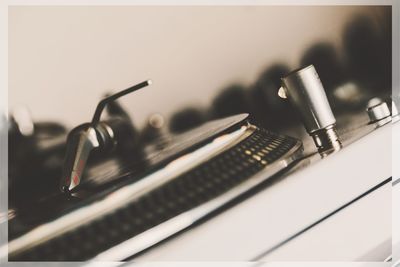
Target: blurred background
205	61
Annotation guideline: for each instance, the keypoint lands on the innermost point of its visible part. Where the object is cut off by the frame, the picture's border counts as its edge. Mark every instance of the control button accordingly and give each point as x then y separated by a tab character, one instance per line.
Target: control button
377	110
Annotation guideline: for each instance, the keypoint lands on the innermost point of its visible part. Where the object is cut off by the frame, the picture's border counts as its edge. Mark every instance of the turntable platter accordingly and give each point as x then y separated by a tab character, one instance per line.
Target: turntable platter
199	173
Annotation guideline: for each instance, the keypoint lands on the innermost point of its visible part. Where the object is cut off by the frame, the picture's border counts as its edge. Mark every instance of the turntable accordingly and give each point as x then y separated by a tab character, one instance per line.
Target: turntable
111	192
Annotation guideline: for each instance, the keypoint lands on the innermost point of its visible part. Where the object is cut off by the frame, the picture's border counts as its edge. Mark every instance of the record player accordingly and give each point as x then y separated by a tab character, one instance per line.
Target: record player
105	190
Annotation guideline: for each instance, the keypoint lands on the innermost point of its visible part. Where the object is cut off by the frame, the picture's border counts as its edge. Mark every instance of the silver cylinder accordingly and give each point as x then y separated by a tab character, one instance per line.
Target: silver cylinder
377	110
306	93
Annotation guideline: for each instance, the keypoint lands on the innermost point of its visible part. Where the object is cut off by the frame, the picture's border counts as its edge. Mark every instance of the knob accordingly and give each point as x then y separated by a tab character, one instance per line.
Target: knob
304	90
378	111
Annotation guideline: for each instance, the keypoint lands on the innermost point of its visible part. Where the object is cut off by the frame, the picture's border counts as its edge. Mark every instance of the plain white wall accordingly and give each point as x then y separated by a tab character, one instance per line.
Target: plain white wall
63	59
